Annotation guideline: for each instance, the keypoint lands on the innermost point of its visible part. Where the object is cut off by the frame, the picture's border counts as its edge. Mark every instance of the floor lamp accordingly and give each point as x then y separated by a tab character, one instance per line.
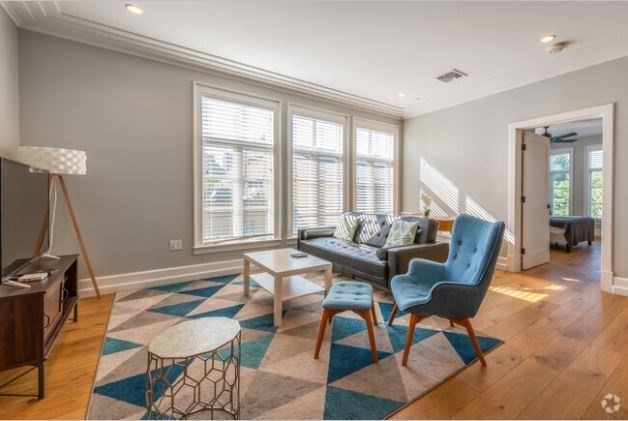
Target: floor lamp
59	162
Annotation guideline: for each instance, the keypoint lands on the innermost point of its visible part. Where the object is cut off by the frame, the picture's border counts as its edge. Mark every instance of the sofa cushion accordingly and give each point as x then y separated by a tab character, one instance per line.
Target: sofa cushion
428	229
360	257
347	225
402	233
373	228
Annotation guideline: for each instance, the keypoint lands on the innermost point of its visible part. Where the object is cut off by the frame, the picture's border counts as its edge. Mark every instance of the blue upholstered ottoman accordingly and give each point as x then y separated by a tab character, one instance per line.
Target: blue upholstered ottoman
349	296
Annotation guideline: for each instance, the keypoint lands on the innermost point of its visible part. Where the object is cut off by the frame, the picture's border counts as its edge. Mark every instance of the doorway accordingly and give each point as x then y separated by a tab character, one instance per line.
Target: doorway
540	238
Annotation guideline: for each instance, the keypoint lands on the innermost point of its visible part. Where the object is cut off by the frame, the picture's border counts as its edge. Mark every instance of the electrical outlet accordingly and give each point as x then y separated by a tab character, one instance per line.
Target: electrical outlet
176	245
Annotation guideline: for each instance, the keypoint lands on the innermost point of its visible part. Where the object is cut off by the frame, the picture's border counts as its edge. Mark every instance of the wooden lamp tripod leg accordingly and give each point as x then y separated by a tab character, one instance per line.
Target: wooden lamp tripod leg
77	231
45	222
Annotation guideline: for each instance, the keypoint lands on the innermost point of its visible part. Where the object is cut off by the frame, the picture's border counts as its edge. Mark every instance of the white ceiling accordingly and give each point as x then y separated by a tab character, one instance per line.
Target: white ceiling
361	52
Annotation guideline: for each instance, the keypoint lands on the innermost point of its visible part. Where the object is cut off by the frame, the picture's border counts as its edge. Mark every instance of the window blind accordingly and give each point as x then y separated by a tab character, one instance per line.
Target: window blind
317	172
374	170
237	166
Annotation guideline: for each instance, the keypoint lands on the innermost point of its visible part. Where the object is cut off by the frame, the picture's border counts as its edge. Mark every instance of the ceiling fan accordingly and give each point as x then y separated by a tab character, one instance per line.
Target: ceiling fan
563	138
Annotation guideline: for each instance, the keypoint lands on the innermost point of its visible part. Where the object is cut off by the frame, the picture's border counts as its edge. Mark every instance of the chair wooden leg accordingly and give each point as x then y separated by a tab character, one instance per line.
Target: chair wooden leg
373	313
392	315
327	316
414	319
451	323
366	315
474	340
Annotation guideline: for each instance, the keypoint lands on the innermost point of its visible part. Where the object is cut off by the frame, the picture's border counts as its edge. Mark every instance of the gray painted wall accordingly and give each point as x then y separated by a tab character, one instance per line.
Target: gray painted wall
133	117
9	93
464	149
579	148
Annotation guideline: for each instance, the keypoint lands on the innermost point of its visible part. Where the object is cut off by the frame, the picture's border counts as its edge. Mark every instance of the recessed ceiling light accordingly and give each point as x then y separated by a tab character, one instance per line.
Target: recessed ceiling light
133	8
401	94
548	38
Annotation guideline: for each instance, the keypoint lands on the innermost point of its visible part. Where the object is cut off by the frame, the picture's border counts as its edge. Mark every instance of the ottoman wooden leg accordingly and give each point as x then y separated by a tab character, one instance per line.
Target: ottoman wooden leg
366	315
327	316
373	313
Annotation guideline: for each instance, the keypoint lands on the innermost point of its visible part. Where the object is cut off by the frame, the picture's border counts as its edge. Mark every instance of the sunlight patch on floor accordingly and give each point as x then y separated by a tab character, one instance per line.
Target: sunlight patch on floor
532	297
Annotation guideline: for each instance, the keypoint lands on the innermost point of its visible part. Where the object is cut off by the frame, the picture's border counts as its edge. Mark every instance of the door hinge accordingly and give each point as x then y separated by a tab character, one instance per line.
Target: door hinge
523	251
523	199
523	146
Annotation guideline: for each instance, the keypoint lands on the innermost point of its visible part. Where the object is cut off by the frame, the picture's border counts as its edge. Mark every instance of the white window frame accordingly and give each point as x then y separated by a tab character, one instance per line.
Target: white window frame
587	179
273	104
315	113
359	122
562	151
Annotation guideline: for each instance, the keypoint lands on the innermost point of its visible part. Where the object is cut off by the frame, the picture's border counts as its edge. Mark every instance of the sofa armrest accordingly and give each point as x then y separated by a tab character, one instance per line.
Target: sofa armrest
399	257
310	233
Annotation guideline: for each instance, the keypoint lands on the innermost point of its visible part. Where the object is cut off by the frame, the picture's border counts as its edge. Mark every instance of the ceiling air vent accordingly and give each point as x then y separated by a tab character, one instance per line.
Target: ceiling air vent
449	76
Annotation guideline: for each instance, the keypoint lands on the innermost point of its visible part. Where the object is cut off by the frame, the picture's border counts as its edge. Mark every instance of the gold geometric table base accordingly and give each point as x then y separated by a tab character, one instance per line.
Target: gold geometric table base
208	382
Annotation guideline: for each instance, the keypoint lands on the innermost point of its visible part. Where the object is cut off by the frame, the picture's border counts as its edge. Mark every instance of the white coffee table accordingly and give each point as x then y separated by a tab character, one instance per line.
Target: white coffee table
281	275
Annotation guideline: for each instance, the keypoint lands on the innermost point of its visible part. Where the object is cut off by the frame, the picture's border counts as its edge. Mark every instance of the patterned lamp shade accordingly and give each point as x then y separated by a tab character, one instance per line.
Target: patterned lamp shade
54	160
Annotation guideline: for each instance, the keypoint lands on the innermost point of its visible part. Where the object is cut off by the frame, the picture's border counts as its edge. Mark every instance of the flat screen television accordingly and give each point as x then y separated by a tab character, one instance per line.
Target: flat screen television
24	203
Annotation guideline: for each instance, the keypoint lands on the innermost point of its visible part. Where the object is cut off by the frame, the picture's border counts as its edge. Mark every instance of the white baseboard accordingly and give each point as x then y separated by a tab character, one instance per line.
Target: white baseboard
136	280
502	263
620	286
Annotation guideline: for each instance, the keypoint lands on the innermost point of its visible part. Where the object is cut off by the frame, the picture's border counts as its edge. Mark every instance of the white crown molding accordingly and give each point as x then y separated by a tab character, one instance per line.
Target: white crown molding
575	60
48	18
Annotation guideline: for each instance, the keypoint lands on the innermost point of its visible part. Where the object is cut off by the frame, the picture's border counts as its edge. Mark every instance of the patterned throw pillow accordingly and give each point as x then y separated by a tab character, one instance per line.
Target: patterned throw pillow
401	234
346	227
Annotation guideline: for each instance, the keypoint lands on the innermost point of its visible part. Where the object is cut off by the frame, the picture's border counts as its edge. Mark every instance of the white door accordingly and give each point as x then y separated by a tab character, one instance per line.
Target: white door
534	201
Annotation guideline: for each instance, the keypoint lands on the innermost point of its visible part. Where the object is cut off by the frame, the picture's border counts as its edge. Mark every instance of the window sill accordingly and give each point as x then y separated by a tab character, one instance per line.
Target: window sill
241	245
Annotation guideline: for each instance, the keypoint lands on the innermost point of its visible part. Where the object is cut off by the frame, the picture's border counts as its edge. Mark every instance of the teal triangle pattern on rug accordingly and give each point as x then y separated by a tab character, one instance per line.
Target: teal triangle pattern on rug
264	323
133	389
253	351
386	310
180	310
113	345
464	348
341	404
225	279
229	312
172	287
203	292
345	360
399	333
343	327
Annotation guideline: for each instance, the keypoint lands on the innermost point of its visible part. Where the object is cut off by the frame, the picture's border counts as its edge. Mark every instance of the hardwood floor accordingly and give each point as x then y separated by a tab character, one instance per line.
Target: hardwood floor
566	347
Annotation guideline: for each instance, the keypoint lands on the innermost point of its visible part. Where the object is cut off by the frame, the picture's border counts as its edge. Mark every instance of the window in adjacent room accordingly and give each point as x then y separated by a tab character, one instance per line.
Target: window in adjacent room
237	186
317	169
594	181
560	182
375	167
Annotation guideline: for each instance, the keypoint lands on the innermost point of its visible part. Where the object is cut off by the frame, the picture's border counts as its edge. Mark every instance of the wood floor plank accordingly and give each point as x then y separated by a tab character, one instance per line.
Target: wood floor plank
584	378
615	336
617	385
510	395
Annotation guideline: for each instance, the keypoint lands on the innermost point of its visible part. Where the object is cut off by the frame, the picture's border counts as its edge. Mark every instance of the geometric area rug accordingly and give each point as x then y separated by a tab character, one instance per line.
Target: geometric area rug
279	379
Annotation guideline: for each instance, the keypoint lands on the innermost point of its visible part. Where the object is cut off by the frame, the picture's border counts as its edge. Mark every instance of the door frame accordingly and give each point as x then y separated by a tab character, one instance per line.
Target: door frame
515	168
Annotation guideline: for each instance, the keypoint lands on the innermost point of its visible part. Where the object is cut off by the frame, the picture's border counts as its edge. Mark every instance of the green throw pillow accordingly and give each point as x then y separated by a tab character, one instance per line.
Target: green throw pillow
401	234
346	227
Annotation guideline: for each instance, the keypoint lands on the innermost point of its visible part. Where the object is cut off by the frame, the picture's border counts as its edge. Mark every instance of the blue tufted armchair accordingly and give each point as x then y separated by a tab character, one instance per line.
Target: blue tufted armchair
454	289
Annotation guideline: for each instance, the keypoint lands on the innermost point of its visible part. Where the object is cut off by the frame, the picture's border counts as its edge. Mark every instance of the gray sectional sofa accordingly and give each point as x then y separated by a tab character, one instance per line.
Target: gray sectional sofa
365	257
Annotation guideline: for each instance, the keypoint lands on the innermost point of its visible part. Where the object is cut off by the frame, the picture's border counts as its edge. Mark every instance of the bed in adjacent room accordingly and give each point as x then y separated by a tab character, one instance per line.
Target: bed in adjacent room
569	231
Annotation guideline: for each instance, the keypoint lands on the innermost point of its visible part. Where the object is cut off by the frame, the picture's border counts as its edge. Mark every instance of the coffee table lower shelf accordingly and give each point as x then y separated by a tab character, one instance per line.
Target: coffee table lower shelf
292	286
